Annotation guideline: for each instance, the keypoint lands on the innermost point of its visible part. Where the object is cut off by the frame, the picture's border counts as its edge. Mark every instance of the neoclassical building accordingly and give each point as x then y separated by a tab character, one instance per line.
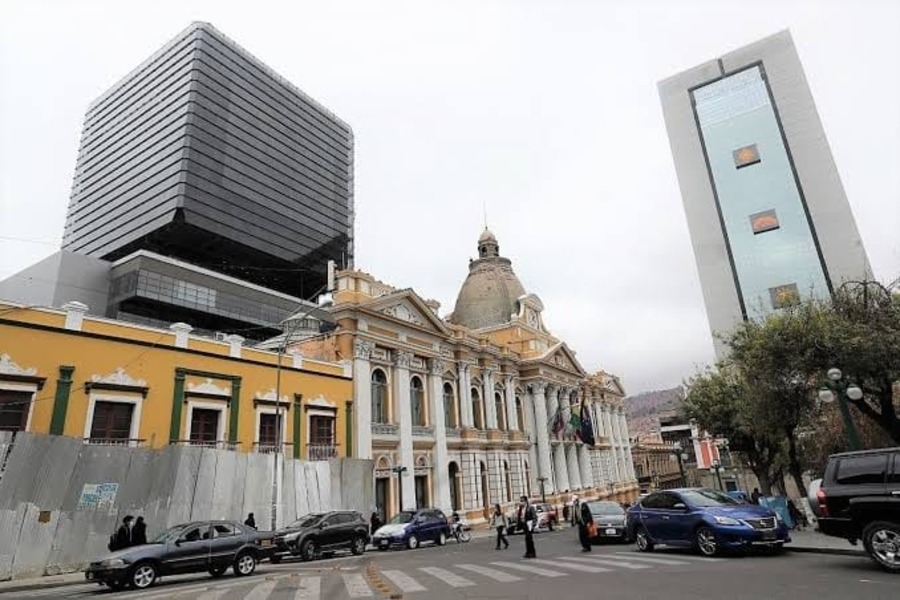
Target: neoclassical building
470	410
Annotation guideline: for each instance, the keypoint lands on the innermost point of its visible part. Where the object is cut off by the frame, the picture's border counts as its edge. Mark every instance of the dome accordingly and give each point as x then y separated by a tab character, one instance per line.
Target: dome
489	295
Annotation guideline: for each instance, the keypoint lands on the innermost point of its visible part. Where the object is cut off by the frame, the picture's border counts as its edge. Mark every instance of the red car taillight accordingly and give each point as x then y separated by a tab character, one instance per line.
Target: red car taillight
822	498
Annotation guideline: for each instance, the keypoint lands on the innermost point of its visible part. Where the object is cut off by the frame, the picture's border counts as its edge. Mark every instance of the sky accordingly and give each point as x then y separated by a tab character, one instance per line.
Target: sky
542	115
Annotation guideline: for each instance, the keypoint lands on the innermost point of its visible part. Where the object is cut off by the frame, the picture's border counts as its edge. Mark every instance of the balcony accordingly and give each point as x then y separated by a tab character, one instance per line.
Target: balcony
133	443
271	448
321	451
215	444
385	429
423	431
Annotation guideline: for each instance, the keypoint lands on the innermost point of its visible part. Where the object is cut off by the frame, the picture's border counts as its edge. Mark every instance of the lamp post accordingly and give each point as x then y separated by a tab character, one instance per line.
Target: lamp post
717	467
676	450
836	386
399	470
541	480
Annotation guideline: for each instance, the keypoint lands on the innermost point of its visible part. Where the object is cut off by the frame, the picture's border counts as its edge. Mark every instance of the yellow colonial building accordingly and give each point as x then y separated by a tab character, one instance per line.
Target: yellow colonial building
475	408
110	382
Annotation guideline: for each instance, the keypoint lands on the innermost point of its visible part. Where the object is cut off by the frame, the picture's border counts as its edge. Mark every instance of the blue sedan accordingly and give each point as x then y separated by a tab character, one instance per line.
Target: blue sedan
704	519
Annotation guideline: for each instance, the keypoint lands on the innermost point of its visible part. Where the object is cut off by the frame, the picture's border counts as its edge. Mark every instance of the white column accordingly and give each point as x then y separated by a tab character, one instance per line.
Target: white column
560	466
530	432
541	434
614	462
512	418
362	393
440	464
584	462
572	463
404	412
490	409
465	394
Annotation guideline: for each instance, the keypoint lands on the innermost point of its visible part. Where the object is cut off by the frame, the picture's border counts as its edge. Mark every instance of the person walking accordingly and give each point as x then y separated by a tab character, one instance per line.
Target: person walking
139	536
125	534
585	520
755	496
525	518
374	523
250	521
499	522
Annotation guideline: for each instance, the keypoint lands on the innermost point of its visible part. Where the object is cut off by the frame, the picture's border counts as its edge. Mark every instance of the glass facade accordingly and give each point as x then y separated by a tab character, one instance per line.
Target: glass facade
771	244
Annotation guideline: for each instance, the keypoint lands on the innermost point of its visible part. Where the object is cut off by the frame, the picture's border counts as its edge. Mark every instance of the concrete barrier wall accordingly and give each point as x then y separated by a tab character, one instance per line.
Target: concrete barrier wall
47	526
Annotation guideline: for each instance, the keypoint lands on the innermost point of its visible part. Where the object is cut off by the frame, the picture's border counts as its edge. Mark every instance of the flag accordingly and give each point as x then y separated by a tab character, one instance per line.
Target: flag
558	423
587	428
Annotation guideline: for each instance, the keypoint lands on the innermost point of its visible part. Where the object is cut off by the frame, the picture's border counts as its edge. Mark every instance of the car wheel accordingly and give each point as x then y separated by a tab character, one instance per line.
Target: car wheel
218	571
142	575
882	541
309	550
441	539
413	542
244	564
642	540
358	546
705	541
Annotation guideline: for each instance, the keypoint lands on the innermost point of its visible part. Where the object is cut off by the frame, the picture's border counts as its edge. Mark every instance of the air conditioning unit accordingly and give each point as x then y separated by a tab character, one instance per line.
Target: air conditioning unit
220	337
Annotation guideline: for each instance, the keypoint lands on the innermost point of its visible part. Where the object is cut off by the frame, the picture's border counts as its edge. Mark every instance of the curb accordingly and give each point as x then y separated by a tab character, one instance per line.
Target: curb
833	551
37	585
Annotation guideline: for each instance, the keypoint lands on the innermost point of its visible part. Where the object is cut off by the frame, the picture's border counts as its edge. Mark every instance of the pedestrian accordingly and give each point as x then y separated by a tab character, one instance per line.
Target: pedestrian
250	521
585	521
139	537
499	522
374	523
525	519
566	513
125	534
755	496
574	512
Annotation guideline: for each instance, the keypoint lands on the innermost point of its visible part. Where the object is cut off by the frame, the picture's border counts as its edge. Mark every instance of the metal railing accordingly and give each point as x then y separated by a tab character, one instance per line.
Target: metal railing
423	430
219	444
321	451
385	429
270	448
133	442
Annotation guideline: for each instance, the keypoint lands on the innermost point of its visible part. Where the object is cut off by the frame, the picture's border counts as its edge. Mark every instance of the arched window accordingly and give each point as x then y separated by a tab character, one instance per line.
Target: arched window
520	413
500	406
477	413
379	397
449	406
417	399
507	479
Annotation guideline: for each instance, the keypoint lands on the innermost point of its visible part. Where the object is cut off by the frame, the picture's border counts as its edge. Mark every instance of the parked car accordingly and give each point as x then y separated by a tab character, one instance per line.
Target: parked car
707	520
859	499
609	517
547	518
409	528
311	535
189	548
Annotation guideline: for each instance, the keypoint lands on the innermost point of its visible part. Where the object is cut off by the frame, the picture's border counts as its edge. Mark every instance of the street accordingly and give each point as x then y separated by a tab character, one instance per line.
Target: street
475	571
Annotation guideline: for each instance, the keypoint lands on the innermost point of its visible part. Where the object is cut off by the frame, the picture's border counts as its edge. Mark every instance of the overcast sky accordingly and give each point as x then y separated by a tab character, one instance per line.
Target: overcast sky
545	112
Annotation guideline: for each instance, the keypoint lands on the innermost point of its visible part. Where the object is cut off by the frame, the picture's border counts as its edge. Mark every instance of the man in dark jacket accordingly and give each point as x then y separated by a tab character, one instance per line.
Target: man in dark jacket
527	520
584	519
250	521
139	534
125	534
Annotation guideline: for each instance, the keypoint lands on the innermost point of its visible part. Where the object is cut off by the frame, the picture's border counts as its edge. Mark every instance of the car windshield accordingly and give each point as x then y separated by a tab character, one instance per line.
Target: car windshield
307	521
403	517
169	535
606	508
708	498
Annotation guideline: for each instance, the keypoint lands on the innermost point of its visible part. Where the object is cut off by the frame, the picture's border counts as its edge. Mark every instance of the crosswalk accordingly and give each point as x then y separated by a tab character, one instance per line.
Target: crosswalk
353	583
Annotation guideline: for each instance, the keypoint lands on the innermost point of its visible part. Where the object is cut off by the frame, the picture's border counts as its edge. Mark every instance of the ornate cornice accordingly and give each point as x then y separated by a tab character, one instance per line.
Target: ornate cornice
436	366
362	349
8	367
403	358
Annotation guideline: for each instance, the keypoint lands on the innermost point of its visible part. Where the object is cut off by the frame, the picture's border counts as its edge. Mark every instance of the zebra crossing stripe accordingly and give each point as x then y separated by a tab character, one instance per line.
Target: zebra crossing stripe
529	568
212	594
310	589
451	579
490	573
658	561
609	563
673	557
404	581
356	586
573	566
261	591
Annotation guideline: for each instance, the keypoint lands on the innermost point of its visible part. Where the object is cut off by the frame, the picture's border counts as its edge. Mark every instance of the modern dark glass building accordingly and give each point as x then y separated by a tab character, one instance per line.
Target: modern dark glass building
768	217
205	155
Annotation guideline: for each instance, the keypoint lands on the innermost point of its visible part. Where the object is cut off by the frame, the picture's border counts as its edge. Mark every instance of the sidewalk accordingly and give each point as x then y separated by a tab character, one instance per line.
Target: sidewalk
46	582
809	540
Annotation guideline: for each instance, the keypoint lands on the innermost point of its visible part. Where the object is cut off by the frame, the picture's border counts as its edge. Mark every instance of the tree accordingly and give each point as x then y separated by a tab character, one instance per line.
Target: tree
719	401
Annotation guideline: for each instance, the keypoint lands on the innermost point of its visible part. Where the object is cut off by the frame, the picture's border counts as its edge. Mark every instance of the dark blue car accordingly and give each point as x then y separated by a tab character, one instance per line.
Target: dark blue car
409	528
707	520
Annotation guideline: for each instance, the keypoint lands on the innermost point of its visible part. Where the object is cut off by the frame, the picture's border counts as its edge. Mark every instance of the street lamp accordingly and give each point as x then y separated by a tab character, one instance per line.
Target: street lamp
399	471
541	480
676	450
835	386
717	467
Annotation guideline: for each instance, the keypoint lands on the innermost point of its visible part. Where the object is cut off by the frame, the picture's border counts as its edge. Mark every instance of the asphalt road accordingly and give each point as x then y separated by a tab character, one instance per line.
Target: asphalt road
476	571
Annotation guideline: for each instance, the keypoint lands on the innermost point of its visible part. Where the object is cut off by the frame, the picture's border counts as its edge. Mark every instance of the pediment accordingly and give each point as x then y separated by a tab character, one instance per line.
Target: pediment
406	306
561	357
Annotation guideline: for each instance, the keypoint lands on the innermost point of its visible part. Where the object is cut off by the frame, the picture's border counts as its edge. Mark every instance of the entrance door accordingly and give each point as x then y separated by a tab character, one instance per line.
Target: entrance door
381	498
421	491
453	471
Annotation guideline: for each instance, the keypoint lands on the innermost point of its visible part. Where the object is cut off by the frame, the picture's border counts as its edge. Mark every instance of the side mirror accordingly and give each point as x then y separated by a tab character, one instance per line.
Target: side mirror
680	506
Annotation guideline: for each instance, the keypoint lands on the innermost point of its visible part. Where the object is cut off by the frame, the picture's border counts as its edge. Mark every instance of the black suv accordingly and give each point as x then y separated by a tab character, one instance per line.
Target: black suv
859	499
310	536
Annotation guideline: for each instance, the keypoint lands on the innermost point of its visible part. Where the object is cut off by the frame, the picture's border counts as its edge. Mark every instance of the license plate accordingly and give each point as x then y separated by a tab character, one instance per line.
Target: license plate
383	543
610	532
89	575
265	543
768	535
